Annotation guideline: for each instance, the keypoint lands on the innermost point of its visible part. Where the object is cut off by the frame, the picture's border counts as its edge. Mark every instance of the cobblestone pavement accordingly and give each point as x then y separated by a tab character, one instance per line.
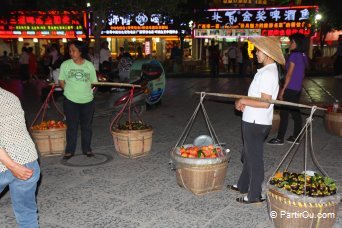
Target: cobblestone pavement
121	192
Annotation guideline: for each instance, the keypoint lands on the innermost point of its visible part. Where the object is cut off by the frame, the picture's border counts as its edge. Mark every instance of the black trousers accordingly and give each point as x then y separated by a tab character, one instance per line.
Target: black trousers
292	96
78	114
252	174
215	68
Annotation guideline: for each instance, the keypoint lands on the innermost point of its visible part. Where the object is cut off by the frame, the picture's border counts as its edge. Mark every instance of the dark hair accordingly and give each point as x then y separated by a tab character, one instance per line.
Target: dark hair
299	39
81	46
281	73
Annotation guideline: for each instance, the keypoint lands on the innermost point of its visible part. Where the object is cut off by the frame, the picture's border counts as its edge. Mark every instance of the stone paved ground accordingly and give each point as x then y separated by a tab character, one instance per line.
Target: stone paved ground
143	192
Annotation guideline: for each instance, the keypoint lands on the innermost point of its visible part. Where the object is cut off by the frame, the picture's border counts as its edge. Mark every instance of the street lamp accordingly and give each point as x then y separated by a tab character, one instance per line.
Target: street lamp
318	17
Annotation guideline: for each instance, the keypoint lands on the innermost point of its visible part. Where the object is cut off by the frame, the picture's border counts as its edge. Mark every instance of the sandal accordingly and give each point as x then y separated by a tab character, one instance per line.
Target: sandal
242	200
233	188
67	156
89	154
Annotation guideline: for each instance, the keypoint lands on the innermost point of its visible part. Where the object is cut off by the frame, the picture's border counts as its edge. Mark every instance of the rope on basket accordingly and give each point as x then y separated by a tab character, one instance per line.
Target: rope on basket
308	143
117	118
44	106
189	125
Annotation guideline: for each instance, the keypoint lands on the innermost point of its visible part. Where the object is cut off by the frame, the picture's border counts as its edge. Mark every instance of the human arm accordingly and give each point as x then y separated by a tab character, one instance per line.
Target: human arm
61	83
287	79
19	171
240	104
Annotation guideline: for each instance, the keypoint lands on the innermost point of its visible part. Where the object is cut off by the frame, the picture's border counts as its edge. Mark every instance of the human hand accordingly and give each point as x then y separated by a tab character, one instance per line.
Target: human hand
239	105
21	172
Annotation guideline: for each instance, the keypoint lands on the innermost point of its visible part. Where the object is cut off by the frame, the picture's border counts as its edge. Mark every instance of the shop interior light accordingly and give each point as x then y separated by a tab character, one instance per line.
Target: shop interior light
318	17
64	40
35	40
109	39
20	39
134	39
92	40
157	39
88	4
79	38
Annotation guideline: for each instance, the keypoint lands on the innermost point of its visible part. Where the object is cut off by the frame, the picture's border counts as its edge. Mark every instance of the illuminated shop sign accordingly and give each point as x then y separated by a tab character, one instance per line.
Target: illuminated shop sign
39	24
139	24
264	2
281	20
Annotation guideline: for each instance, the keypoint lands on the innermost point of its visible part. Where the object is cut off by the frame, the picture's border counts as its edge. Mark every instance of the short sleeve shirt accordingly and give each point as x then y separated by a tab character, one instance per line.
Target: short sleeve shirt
78	79
14	137
300	61
265	81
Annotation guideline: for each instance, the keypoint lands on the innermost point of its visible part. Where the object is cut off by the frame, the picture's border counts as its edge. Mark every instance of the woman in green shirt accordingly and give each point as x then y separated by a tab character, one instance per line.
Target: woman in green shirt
76	76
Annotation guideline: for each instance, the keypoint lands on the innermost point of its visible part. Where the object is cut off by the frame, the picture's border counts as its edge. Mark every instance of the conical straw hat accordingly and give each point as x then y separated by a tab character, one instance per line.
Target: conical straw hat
270	45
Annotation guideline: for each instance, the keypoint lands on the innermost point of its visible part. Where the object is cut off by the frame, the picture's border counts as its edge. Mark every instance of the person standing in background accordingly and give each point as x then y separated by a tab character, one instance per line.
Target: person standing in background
232	54
296	64
24	65
32	66
214	59
105	54
76	76
19	168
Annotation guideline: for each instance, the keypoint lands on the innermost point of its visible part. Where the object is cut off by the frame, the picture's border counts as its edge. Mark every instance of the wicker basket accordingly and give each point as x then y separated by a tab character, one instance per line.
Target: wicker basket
333	122
50	142
200	175
297	212
133	143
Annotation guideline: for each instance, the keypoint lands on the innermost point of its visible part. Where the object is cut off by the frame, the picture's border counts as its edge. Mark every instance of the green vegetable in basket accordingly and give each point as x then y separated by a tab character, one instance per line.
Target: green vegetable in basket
200	154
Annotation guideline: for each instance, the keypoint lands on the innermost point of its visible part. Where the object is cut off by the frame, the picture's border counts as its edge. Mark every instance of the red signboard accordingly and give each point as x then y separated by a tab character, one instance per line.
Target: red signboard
39	24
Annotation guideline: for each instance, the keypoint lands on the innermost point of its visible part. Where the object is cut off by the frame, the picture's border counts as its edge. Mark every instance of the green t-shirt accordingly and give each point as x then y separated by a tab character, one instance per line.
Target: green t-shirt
78	79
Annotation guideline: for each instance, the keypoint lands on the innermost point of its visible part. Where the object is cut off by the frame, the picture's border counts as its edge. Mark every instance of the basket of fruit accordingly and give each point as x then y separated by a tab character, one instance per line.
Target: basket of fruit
132	139
200	169
50	137
333	120
305	199
302	200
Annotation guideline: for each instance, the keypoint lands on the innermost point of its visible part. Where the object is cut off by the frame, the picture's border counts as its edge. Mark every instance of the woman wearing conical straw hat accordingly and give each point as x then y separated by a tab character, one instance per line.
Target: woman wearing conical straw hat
257	117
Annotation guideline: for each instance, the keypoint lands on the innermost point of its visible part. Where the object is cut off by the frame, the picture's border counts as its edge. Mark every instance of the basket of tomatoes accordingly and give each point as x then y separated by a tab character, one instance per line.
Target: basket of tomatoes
49	137
201	169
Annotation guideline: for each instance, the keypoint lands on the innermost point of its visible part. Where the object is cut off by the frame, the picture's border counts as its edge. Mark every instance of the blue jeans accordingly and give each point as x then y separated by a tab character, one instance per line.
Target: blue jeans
23	195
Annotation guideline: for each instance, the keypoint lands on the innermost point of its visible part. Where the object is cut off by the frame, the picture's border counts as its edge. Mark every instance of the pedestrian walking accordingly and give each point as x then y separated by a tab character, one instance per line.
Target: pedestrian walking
76	76
19	168
296	64
257	118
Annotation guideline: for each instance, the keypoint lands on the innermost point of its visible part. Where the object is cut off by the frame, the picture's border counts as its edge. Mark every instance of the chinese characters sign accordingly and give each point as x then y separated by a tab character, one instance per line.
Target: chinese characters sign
52	24
139	24
280	19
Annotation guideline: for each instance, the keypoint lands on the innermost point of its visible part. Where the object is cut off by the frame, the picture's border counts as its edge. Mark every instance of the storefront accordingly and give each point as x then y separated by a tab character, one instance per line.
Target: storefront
229	25
38	29
154	34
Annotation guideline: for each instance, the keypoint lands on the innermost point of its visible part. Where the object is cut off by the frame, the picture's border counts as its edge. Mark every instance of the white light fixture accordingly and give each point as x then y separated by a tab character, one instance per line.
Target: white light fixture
35	40
134	39
157	39
206	40
20	39
92	40
88	4
64	40
318	17
109	39
79	38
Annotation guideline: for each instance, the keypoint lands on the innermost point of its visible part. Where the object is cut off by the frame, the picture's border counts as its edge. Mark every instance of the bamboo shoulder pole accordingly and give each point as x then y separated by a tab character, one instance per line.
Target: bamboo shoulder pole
278	102
113	84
